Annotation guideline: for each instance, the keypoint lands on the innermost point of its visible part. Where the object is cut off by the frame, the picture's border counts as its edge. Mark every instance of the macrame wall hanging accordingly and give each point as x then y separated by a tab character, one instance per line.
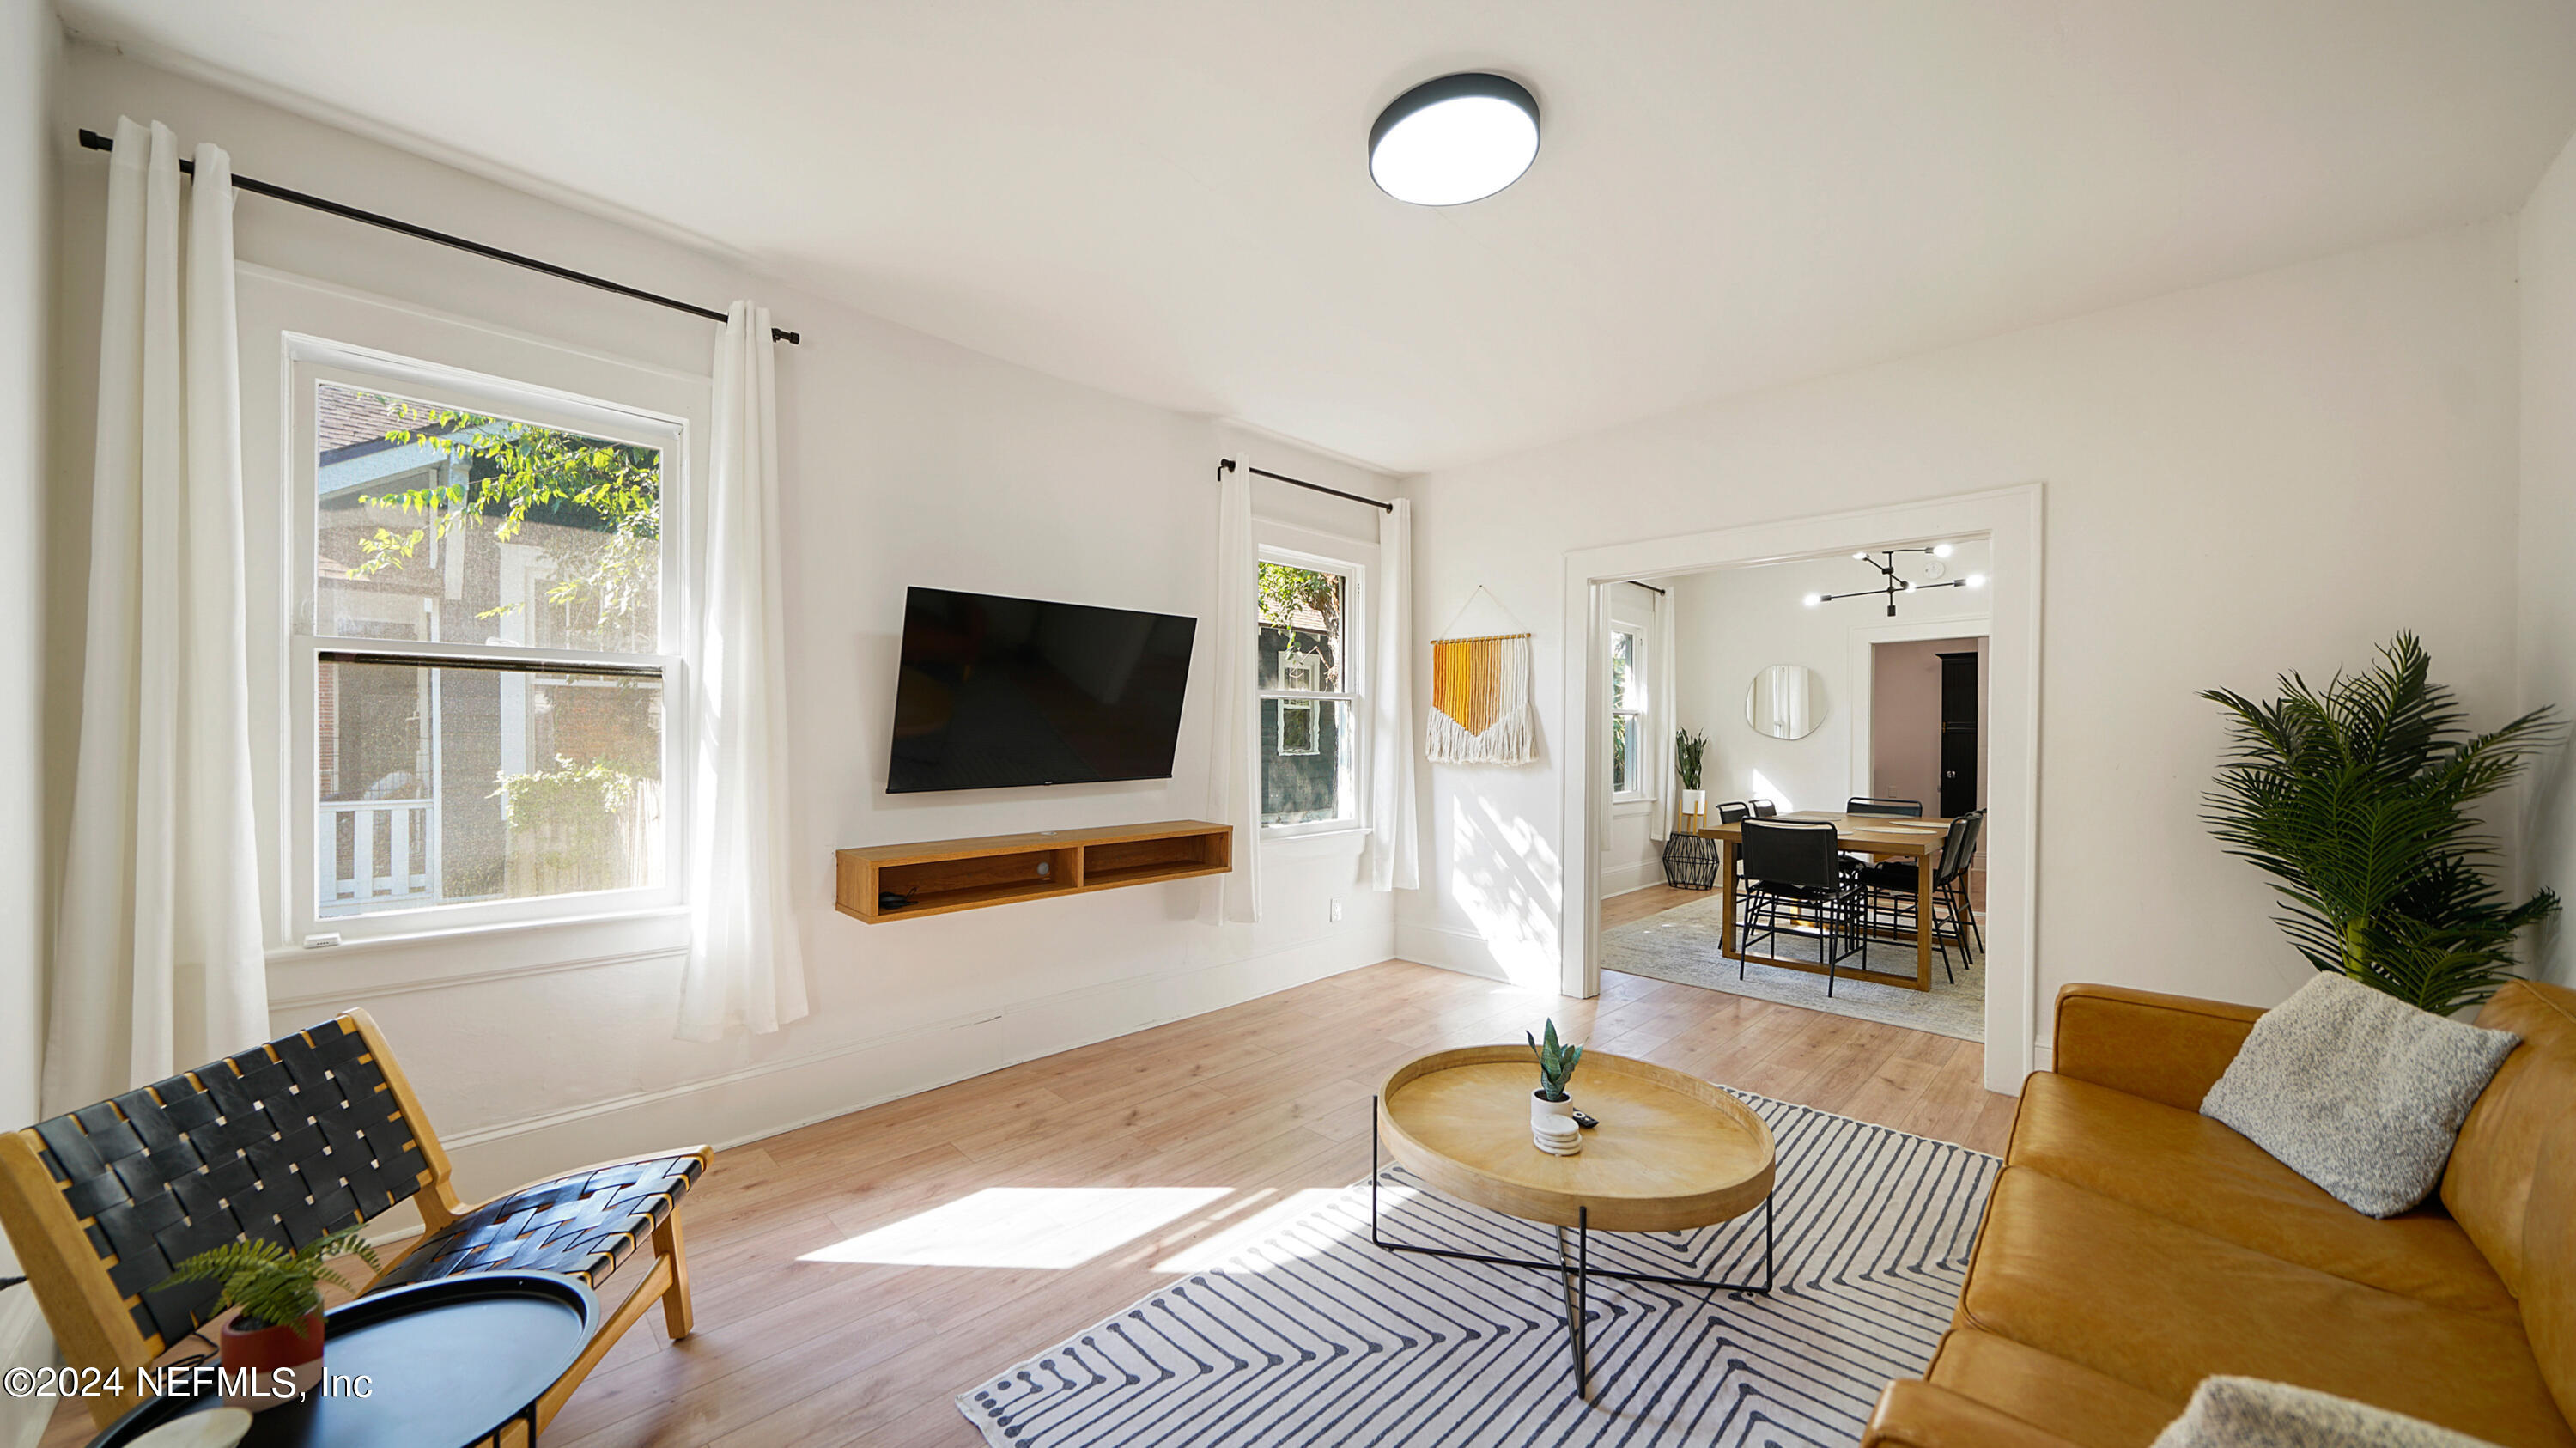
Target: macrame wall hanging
1480	699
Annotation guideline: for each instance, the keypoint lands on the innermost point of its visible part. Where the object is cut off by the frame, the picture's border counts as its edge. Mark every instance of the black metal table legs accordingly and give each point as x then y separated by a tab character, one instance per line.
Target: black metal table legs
1573	1265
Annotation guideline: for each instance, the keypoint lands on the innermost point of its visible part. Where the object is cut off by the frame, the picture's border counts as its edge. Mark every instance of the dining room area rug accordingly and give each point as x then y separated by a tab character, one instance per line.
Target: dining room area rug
1682	945
1313	1335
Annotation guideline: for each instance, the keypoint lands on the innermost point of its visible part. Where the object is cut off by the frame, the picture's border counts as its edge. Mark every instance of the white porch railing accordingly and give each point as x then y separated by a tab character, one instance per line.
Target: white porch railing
377	850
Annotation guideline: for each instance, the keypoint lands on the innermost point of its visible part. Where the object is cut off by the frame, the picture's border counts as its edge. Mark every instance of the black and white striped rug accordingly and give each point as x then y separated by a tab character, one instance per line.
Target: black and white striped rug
1313	1336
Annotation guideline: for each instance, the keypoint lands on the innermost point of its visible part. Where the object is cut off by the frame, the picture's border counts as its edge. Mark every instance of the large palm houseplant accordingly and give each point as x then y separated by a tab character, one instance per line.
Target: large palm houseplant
2356	799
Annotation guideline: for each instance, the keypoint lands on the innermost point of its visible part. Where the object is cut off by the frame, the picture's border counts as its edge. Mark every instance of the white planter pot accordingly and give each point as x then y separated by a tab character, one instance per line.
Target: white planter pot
1694	801
1552	1128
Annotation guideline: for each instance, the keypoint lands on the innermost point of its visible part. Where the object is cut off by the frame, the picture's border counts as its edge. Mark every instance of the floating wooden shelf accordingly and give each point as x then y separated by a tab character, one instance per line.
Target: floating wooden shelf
939	876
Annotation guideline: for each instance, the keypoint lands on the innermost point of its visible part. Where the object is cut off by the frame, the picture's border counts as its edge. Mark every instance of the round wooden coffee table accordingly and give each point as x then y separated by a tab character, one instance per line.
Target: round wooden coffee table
1671	1152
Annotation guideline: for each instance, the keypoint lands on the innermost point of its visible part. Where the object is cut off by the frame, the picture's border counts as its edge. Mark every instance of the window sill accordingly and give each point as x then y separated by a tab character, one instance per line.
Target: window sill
490	930
1630	807
1315	842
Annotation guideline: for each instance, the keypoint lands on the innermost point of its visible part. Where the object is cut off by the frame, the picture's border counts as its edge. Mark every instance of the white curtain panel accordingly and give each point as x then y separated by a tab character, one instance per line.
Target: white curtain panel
1234	776
157	949
1394	847
746	966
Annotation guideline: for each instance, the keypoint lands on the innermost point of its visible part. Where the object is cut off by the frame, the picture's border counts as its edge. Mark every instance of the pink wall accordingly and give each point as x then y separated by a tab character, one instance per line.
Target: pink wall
1905	719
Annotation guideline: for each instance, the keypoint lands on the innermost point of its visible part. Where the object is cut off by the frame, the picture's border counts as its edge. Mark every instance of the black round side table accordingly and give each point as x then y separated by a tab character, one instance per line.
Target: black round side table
439	1364
1690	861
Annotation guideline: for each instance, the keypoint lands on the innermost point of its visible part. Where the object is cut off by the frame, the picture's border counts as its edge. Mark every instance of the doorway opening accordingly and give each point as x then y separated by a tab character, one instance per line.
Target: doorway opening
1821	728
1926	712
1756	644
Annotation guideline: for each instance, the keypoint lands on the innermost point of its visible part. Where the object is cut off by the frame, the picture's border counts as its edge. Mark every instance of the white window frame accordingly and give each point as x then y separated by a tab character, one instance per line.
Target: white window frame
309	361
1311	709
1639	713
1274	547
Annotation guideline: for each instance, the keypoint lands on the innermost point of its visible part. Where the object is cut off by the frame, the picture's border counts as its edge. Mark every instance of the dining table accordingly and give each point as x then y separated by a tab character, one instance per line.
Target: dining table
1886	836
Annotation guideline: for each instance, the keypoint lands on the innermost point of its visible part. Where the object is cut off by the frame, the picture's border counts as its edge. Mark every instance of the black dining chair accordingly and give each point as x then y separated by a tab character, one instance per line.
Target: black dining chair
1735	813
1864	804
1796	885
1764	809
1891	888
1963	905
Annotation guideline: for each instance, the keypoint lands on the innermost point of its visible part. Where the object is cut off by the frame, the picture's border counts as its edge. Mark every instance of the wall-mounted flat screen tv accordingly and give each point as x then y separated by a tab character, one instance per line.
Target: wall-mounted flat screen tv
996	692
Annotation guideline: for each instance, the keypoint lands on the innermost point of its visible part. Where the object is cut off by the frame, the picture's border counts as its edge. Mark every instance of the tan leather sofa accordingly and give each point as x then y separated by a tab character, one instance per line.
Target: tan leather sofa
2133	1247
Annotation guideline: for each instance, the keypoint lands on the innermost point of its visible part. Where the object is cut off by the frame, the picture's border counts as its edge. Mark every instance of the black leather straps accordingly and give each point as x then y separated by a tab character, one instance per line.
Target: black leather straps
582	1225
285	1144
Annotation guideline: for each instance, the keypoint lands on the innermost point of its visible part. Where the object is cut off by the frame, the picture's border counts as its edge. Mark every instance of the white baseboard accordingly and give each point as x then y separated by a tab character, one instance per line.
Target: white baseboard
772	1097
1449	948
24	1343
1631	877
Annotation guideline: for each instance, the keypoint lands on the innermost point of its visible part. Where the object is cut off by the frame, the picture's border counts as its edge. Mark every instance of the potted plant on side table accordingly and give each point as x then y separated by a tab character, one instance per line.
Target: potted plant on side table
275	1341
1690	858
1688	749
1552	1127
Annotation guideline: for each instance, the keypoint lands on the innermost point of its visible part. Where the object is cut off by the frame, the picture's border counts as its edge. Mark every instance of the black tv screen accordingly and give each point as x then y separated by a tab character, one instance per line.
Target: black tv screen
995	692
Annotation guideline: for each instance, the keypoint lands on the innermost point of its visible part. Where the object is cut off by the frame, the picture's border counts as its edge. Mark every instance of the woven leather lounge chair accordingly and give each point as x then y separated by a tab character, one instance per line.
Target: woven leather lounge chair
287	1142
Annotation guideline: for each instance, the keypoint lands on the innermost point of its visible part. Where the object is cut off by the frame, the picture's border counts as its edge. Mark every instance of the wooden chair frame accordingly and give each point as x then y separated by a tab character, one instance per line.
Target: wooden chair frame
94	1324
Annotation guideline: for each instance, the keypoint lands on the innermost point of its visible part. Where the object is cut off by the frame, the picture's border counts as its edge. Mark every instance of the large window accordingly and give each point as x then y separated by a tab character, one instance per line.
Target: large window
1309	695
485	584
1628	746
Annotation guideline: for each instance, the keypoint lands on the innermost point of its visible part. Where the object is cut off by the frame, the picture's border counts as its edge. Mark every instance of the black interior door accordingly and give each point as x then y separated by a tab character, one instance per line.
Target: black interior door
1958	733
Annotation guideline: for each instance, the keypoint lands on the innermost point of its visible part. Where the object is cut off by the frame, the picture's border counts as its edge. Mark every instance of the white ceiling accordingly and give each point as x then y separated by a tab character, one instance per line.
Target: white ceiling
1169	200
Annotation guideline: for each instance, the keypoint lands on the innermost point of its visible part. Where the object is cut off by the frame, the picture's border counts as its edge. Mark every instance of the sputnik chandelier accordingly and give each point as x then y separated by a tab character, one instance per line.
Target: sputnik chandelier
1890	585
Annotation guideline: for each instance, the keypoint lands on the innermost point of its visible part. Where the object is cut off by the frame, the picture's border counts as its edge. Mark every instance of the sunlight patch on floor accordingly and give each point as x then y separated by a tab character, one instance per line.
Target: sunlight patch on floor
1021	1227
1214	1251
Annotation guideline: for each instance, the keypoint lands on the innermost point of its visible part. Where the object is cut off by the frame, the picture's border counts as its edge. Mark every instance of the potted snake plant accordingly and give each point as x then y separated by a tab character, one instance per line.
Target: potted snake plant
1552	1128
1688	749
274	1342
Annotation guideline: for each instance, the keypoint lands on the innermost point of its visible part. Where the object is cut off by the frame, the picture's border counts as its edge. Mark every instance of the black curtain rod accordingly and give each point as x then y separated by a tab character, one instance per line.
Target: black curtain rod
1227	465
96	142
1650	588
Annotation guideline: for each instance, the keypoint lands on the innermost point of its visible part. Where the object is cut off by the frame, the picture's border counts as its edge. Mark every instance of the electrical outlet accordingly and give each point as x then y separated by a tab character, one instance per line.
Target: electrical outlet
1333	910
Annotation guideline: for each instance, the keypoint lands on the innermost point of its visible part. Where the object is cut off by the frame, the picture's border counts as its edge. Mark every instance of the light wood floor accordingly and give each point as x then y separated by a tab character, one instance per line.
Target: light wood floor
1264	1099
1638	904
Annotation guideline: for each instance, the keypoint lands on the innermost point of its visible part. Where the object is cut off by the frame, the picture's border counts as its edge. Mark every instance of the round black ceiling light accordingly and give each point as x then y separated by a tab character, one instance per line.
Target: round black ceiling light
1457	139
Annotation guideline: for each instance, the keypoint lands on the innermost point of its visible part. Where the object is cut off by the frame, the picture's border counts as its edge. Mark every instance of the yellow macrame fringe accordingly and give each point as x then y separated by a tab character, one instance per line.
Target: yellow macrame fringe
1480	701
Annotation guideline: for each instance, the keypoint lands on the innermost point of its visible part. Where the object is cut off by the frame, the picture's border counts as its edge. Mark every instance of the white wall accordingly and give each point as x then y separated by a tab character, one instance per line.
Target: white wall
2273	473
30	45
1734	622
906	460
2548	539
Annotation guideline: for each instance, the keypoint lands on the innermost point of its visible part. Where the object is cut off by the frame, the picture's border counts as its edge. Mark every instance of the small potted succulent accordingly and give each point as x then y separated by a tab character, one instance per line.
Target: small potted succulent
1552	1128
275	1341
1688	749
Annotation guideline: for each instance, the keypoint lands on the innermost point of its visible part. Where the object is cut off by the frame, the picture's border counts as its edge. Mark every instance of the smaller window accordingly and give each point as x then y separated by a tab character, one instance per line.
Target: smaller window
1627	715
1309	722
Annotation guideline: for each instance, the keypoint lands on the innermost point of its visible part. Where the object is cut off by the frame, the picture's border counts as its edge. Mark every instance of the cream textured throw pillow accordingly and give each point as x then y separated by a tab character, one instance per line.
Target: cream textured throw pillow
2358	1091
2251	1413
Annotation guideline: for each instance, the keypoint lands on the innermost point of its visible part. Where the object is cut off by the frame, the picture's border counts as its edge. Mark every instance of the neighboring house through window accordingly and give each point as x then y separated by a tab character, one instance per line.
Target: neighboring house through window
484	577
1310	695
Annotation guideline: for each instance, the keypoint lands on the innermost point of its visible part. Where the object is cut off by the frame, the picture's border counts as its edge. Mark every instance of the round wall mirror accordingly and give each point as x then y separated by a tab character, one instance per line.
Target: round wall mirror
1787	701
